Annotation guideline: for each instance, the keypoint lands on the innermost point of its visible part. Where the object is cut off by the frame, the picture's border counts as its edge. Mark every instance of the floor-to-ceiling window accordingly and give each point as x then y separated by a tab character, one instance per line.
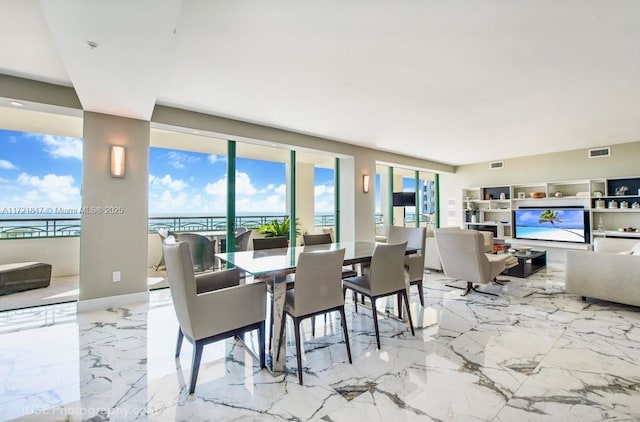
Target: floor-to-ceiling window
40	212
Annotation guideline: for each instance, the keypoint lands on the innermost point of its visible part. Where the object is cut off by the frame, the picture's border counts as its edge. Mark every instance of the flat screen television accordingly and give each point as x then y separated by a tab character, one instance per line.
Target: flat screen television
404	199
553	224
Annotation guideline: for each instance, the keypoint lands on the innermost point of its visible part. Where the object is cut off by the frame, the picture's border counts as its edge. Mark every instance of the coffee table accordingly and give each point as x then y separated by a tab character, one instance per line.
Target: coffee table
529	262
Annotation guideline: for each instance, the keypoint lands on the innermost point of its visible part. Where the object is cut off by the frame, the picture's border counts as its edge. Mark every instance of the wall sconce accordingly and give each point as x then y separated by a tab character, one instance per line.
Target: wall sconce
117	160
365	183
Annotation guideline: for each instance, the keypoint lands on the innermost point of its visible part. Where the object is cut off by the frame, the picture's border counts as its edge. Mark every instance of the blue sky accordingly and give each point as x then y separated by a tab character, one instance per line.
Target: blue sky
45	171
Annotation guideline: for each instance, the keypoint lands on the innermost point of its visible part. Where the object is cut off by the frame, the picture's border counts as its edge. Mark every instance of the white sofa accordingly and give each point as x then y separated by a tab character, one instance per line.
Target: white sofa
611	272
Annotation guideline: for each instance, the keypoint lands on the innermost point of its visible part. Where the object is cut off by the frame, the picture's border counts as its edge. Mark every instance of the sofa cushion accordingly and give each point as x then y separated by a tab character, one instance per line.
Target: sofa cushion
636	249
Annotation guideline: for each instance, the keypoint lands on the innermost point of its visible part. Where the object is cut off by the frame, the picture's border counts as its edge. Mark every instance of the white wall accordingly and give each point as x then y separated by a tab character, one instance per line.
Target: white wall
63	253
561	166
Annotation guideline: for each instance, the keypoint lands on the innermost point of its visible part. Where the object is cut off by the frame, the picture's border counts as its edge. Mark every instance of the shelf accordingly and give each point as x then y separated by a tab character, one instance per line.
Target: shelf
576	194
615	210
615	233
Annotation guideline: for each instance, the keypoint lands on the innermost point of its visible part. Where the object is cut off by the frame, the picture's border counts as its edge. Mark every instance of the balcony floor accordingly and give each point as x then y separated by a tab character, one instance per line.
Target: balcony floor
63	289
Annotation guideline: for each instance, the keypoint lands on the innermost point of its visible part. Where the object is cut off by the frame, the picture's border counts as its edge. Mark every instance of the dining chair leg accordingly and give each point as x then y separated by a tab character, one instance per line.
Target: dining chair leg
261	344
375	319
406	300
346	332
399	306
179	343
296	322
195	365
313	326
420	293
355	301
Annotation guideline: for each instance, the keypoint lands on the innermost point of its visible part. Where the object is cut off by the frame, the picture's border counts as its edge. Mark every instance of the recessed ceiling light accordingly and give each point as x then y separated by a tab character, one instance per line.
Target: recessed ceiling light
16	103
92	44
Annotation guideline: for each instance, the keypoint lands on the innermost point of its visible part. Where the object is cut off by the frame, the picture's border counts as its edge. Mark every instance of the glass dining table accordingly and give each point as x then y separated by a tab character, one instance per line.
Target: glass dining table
276	264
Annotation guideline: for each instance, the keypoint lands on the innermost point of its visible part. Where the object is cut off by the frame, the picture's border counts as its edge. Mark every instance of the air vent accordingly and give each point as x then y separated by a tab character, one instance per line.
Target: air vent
496	165
600	152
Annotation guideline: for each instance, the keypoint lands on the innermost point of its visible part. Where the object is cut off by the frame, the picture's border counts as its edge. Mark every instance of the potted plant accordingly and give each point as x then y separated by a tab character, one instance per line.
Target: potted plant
275	228
473	212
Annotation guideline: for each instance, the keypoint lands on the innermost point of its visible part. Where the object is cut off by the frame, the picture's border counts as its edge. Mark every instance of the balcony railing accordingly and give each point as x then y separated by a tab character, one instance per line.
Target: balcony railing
30	228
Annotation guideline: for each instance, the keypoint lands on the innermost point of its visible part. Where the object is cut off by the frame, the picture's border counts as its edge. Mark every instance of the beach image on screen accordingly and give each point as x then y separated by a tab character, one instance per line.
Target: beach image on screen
565	225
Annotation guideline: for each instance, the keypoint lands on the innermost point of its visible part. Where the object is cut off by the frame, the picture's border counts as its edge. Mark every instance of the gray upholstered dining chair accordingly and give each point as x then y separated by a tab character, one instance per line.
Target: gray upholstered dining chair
316	239
211	306
463	257
384	278
202	250
318	290
323	239
242	237
413	264
270	243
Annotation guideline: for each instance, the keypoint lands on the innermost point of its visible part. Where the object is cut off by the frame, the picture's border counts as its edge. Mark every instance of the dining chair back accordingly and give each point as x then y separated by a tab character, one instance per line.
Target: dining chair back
316	239
414	263
202	250
386	272
318	290
270	243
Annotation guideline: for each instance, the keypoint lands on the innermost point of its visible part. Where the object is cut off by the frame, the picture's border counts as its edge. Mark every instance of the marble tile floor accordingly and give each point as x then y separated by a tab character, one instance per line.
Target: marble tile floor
531	354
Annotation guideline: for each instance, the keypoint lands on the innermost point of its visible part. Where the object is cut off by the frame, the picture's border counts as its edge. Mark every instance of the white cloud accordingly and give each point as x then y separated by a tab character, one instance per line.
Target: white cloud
50	189
167	181
62	146
181	160
244	187
217	188
324	198
7	165
213	158
282	189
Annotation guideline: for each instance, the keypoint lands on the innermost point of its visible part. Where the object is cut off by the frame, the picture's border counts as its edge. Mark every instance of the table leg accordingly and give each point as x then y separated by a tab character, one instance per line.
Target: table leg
279	292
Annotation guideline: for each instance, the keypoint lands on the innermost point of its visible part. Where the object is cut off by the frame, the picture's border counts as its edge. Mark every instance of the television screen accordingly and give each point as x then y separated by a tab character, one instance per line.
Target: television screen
404	199
554	224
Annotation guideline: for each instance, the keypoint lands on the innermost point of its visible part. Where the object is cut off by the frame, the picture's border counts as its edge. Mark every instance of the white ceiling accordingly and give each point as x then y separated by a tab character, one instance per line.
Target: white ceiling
454	81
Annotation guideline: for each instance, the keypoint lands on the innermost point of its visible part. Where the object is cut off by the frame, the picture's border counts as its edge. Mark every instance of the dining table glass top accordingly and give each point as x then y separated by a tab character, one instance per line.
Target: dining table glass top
269	261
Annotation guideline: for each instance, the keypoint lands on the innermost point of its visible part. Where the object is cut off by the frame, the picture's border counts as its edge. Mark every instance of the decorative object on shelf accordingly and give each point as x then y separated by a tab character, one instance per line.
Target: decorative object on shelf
503	196
488	196
537	195
621	190
635	205
473	211
600	224
599	203
613	204
627	229
624	204
558	194
521	195
598	193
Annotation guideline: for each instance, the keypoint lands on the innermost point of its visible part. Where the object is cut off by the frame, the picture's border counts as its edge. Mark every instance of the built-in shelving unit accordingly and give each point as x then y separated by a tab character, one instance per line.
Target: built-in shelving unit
610	203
